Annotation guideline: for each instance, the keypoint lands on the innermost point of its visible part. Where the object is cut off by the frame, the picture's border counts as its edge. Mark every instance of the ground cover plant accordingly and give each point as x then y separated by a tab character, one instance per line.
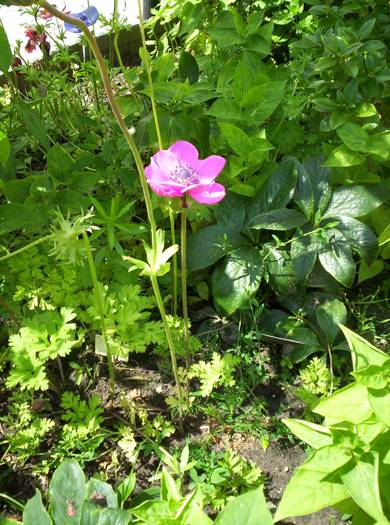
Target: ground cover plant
183	242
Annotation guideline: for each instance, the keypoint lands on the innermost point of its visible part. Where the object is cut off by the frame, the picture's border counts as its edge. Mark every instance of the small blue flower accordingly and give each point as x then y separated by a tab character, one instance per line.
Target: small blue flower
88	16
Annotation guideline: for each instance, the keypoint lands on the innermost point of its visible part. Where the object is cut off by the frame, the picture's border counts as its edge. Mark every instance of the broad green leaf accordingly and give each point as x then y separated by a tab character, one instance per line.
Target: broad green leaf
248	509
354	137
347	404
188	67
367	272
277	190
90	513
328	459
33	123
355	200
67	493
329	315
335	256
114	517
380	403
282	220
308	343
374	376
5	51
8	521
360	237
363	352
243	189
237	139
307	492
303	254
342	157
237	278
98	491
384	237
59	162
34	512
17	216
210	244
261	101
313	186
5	147
231	212
314	435
362	482
280	270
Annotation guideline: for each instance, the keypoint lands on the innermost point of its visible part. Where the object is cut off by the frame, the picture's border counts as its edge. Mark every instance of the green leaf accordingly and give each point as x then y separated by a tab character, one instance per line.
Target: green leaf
7	521
380	403
328	459
17	216
237	139
261	101
99	491
34	512
342	157
210	244
5	147
237	278
354	137
248	509
243	189
363	352
362	483
67	493
329	315
303	255
369	271
280	270
5	51
314	435
33	123
59	162
335	255
114	517
356	200
188	67
384	237
307	492
360	237
277	190
313	186
347	404
282	220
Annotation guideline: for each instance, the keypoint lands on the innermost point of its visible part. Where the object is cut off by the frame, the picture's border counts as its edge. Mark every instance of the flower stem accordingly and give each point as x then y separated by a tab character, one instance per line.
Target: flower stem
183	242
27	247
171	344
100	306
174	263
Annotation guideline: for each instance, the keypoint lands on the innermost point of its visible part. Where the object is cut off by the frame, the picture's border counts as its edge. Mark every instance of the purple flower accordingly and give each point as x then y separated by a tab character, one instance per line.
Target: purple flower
179	171
88	16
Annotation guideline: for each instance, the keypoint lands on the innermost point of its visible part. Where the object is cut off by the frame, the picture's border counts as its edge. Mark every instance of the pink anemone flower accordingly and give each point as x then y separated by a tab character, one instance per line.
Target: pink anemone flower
178	171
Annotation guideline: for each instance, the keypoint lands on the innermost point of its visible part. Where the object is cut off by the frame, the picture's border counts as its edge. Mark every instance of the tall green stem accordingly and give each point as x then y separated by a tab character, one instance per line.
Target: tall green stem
100	306
183	242
171	345
148	67
27	247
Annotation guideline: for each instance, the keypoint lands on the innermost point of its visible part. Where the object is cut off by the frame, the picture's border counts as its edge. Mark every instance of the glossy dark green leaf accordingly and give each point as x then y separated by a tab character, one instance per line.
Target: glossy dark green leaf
280	270
313	186
67	493
329	315
237	278
261	101
34	512
5	51
277	190
188	67
360	237
354	137
282	220
210	244
356	200
336	258
303	255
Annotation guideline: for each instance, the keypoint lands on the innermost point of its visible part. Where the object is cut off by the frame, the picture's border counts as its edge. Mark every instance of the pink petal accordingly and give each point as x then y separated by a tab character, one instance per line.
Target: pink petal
165	160
185	152
167	190
208	193
209	168
154	173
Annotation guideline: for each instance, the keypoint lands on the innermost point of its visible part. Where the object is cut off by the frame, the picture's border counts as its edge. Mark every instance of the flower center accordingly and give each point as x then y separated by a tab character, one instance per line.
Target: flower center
185	175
